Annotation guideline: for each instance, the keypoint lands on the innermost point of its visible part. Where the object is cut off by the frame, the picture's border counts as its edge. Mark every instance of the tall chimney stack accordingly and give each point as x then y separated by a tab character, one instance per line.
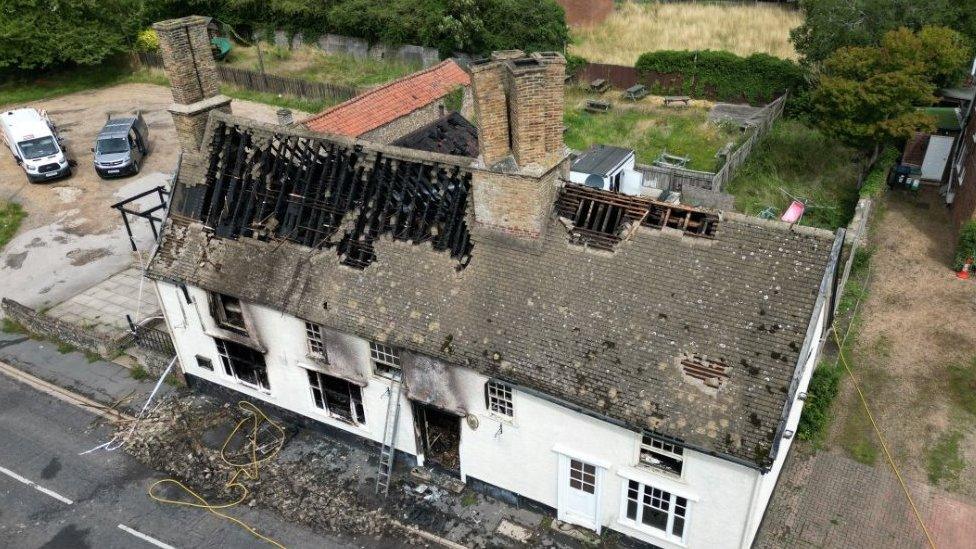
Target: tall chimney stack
519	101
192	72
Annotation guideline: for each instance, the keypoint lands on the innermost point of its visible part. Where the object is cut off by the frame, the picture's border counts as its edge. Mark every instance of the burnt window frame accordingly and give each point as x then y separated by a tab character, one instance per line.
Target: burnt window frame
237	362
670	455
387	360
218	310
345	404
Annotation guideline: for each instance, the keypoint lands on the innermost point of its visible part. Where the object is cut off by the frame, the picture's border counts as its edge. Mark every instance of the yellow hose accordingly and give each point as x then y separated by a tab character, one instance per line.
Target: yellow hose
249	470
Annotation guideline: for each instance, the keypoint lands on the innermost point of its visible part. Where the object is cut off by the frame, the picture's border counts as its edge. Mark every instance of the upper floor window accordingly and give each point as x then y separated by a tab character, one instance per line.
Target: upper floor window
386	360
650	507
498	398
227	312
661	455
316	343
244	364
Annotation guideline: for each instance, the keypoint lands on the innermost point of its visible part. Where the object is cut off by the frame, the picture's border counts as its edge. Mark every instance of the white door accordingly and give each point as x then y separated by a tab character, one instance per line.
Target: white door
579	489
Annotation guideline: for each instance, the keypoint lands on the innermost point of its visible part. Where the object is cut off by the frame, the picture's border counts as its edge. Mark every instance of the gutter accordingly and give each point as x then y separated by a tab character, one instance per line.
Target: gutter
827	287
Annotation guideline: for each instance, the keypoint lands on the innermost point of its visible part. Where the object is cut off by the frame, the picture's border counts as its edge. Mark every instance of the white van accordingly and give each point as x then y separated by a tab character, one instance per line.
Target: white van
34	142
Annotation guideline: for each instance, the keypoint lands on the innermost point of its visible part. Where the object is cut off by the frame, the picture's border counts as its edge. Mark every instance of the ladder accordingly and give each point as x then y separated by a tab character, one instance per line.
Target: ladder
388	448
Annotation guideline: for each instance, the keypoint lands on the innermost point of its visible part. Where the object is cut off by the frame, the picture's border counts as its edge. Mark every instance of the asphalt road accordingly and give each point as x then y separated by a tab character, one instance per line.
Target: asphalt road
40	439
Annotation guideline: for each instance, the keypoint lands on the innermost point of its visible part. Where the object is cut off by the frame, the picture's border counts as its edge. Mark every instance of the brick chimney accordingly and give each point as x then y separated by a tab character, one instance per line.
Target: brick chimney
192	72
519	101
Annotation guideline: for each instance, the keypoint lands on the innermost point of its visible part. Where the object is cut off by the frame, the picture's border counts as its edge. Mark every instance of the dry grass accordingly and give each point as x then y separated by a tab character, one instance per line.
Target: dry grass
637	28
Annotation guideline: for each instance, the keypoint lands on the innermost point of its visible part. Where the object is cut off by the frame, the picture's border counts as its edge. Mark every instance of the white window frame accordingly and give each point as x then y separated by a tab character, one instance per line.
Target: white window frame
637	522
315	342
498	397
358	415
656	445
389	357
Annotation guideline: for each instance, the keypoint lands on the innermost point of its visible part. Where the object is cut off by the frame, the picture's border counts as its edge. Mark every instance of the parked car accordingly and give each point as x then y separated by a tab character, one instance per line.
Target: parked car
121	146
34	141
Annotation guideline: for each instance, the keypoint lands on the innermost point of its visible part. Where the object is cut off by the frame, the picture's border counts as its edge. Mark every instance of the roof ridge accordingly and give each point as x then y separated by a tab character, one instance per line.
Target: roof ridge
377	89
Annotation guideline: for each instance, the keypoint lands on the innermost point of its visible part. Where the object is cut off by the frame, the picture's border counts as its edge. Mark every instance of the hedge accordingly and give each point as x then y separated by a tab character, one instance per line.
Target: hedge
470	26
724	75
966	247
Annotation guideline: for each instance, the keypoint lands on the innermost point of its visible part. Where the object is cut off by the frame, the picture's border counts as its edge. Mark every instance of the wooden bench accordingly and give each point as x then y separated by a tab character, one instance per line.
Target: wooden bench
671	99
593	105
636	93
599	85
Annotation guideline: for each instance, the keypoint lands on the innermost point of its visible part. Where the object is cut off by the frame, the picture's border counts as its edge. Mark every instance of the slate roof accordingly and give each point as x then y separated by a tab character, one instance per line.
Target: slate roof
384	104
600	159
602	331
451	134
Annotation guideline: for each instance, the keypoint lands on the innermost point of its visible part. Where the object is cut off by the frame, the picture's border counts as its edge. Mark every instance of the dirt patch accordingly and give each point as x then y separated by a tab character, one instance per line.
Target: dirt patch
918	320
84	257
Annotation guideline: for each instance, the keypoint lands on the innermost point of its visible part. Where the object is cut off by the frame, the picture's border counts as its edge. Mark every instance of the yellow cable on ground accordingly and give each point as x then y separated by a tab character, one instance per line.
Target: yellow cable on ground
884	446
249	469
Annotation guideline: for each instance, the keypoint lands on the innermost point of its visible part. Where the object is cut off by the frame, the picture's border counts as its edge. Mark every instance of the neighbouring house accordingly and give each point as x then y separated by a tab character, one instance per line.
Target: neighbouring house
959	189
627	363
391	111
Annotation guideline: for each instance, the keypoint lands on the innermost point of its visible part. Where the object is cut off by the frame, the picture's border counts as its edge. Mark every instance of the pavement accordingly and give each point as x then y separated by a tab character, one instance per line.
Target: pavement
104	306
52	497
99	380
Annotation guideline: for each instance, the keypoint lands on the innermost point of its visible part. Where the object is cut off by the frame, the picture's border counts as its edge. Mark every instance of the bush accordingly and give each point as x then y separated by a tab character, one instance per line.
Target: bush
574	64
147	41
725	76
966	248
823	388
875	183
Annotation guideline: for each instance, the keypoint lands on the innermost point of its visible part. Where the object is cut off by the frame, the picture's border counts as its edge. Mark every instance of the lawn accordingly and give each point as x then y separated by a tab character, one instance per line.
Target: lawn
635	28
795	160
310	63
20	88
649	130
11	214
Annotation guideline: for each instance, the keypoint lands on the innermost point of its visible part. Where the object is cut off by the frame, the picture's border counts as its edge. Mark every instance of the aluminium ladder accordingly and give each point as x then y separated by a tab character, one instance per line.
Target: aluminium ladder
388	449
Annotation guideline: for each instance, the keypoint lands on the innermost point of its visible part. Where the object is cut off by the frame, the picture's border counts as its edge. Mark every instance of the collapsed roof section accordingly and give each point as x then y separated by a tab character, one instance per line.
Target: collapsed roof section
325	194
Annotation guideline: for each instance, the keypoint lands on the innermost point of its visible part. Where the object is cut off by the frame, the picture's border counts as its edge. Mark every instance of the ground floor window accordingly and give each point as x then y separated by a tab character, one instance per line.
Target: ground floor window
650	507
243	363
337	396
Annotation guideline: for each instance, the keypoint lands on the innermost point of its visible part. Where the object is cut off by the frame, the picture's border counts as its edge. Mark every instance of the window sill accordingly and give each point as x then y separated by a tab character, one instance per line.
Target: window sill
651	532
253	388
324	414
660	480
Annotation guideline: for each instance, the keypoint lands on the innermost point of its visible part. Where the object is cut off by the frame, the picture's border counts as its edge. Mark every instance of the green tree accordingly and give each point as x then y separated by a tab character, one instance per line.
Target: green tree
832	24
45	33
868	96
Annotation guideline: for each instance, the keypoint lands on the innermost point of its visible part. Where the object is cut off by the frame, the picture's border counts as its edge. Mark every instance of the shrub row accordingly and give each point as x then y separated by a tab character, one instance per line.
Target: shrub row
471	26
725	76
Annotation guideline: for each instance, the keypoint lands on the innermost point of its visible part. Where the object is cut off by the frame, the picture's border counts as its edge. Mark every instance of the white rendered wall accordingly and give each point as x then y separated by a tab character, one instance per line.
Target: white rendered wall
523	458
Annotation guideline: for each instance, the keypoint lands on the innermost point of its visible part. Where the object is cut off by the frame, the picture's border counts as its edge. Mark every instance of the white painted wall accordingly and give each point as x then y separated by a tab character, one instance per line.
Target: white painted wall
726	499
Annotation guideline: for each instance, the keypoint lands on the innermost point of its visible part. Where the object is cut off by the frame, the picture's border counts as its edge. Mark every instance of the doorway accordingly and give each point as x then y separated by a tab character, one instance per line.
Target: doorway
440	436
579	492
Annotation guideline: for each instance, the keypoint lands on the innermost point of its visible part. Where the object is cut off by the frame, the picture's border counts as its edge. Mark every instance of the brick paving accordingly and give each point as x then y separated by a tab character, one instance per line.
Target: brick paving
828	500
103	306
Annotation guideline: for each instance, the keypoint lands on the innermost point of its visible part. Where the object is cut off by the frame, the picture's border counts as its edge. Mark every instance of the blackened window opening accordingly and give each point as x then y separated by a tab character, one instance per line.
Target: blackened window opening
243	363
322	194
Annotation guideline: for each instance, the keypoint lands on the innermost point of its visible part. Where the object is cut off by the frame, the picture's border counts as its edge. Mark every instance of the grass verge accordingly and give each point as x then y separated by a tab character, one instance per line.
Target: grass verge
962	385
11	216
795	160
286	101
649	131
138	373
638	27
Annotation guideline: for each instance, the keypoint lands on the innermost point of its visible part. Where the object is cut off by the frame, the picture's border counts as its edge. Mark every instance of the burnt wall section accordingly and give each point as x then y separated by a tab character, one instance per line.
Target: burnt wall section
326	195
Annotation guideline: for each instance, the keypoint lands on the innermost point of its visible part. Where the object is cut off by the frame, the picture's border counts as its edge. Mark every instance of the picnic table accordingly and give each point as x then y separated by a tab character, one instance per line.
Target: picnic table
594	105
599	85
636	92
668	100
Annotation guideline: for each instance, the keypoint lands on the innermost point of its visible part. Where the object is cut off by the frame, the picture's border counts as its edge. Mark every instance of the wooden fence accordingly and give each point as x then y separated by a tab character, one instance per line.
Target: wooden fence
676	179
270	83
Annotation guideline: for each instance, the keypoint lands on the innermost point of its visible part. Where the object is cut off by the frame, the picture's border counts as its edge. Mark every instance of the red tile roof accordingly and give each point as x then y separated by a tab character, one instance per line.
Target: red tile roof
385	104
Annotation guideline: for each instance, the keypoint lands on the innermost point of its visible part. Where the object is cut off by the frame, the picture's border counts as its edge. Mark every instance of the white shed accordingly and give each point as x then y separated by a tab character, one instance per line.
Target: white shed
609	168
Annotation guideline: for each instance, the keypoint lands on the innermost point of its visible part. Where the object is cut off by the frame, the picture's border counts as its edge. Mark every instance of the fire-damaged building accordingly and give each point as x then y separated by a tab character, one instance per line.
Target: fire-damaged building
630	364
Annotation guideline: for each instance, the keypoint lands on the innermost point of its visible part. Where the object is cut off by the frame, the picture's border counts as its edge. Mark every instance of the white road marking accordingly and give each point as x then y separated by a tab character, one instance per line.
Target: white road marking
145	538
36	486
